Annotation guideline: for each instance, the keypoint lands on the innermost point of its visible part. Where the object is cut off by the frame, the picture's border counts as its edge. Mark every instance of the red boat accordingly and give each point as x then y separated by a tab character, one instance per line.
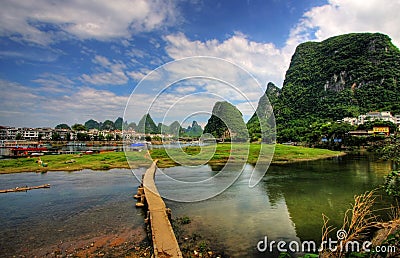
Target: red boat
27	151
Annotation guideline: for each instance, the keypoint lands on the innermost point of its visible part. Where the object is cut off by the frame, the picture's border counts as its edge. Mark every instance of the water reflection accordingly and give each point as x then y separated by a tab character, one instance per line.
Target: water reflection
78	205
287	204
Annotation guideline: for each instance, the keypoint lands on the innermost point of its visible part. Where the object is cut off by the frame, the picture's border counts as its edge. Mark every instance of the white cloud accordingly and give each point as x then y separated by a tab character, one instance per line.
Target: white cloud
54	83
170	107
189	87
94	101
84	104
138	74
107	78
22	105
16	95
102	61
110	72
83	19
26	106
185	89
263	60
347	16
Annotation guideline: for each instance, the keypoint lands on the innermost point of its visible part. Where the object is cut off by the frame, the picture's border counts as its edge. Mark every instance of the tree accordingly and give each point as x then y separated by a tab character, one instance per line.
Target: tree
62	126
109	137
79	127
261	125
175	128
156	138
125	125
92	124
226	122
55	137
164	129
147	125
82	137
118	123
194	130
108	125
132	126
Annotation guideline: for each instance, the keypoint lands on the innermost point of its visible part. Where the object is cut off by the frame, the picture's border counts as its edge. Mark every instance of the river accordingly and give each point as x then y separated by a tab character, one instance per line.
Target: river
286	205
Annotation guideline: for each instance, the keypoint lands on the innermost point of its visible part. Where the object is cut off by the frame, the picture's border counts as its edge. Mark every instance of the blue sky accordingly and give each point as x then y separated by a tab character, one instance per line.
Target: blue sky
70	61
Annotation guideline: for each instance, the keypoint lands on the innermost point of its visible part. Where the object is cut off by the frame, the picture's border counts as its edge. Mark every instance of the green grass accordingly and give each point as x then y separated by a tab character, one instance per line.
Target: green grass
287	154
249	153
72	162
192	155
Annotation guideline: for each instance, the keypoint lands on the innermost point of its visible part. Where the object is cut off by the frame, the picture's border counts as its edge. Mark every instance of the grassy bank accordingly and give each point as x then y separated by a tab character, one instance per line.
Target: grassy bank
72	162
282	154
189	156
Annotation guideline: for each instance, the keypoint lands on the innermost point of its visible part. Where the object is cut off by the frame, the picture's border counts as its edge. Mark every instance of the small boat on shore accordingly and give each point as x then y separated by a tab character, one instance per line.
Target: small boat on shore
18	152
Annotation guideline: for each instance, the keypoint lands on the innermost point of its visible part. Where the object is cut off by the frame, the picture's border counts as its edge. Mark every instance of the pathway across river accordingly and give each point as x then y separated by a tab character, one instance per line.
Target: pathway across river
163	236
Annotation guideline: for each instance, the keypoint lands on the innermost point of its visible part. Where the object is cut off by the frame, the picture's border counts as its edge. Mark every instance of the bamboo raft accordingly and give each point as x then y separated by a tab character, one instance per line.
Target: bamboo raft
24	188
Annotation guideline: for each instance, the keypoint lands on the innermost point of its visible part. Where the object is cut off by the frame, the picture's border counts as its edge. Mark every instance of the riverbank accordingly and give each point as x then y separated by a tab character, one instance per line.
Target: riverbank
240	153
121	243
104	161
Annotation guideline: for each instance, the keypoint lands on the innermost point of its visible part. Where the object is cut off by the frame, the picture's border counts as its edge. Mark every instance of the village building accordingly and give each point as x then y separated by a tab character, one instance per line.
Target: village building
373	116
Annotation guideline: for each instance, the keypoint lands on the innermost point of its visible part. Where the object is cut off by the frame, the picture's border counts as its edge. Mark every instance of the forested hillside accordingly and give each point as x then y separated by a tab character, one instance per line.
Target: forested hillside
226	122
343	76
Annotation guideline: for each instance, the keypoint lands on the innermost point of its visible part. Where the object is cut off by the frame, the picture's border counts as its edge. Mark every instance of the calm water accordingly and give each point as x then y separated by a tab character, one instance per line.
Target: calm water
286	205
78	205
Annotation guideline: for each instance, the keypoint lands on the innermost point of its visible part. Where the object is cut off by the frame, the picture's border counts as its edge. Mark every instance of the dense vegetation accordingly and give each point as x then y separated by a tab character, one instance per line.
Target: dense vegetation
194	130
147	125
62	126
226	122
261	125
93	124
343	76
